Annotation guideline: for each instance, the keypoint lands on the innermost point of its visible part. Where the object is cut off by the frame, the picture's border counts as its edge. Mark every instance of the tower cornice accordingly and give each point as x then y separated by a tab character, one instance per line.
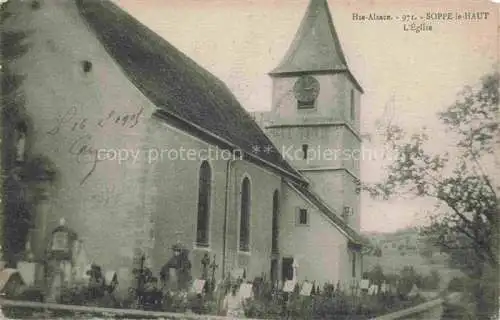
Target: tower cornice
355	132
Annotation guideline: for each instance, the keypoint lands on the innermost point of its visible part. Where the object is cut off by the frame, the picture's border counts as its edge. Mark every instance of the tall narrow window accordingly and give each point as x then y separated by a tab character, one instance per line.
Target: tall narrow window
353	105
353	264
204	189
275	226
305	147
245	215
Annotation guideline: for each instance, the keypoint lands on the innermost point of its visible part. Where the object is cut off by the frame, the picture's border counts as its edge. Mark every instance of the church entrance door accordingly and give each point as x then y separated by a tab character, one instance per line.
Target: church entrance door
287	269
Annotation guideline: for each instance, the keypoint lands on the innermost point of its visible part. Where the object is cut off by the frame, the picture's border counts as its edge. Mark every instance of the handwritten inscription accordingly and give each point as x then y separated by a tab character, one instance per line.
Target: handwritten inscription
422	22
82	147
75	122
84	152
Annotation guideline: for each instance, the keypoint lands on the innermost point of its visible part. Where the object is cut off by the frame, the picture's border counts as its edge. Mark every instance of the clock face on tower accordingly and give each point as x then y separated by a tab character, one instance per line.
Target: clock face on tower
306	89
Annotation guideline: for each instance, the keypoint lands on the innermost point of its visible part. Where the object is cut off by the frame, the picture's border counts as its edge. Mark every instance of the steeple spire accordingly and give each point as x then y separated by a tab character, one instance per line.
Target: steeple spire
316	46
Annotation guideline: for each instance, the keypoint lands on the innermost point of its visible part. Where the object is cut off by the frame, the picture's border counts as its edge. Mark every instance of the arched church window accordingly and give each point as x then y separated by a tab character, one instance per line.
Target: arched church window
353	105
204	190
275	223
245	215
305	147
353	271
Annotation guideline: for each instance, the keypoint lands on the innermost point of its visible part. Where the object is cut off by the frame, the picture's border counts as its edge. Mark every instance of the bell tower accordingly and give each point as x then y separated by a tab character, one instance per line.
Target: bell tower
315	113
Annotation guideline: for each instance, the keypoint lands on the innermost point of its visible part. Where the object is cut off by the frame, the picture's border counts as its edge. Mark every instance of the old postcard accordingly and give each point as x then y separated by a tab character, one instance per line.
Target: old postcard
264	159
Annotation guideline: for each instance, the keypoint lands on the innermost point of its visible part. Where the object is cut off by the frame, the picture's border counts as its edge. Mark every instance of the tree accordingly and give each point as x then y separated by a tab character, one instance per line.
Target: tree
408	277
21	171
431	281
465	224
376	275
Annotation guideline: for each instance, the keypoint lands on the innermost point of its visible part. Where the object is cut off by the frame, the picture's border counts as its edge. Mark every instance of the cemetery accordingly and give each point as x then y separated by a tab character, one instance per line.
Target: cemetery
174	291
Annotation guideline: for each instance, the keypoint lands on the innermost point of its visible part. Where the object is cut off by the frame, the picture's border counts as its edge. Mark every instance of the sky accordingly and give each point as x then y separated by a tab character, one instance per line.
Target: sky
407	77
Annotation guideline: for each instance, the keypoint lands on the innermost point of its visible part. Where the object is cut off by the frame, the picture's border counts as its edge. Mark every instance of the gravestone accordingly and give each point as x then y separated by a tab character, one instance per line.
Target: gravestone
383	288
27	271
373	289
365	284
238	273
306	289
245	291
81	262
176	273
173	282
289	286
111	280
414	291
198	286
10	282
27	266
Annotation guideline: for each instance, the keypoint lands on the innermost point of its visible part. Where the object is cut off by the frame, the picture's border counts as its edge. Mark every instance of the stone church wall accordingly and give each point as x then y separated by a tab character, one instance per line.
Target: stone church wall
319	248
79	102
172	197
84	112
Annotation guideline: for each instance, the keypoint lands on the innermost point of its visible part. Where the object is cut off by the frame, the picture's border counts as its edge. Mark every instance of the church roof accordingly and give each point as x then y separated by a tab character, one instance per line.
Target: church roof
316	46
178	86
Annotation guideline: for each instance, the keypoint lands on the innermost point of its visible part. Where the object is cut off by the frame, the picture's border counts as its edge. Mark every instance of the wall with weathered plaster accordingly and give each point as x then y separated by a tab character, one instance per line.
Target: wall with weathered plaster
74	114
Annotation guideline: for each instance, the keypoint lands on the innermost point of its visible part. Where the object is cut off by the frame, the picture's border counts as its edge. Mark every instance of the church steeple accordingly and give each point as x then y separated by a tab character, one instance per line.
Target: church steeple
316	107
316	46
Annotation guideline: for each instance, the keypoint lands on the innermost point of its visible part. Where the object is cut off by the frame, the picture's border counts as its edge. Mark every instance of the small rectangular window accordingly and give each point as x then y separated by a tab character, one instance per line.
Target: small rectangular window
303	218
305	104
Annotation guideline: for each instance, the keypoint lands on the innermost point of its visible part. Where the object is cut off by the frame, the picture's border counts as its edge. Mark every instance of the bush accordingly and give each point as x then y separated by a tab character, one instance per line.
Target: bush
263	309
25	294
331	303
30	294
453	311
176	302
432	281
408	278
457	284
202	304
376	275
76	295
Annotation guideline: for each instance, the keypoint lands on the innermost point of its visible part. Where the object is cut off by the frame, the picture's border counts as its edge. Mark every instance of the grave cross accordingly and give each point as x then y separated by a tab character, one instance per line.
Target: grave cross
205	262
213	266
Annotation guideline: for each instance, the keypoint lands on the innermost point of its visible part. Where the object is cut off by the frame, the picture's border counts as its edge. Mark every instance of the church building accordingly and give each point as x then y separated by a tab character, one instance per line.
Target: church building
152	151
